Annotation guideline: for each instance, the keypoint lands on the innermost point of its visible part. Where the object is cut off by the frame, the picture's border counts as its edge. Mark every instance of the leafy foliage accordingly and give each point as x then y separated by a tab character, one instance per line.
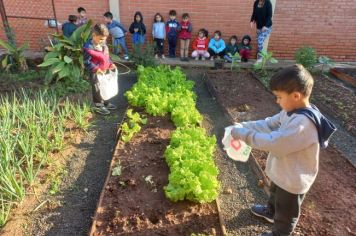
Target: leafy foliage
235	59
65	59
266	57
193	172
130	128
162	90
306	56
143	56
14	58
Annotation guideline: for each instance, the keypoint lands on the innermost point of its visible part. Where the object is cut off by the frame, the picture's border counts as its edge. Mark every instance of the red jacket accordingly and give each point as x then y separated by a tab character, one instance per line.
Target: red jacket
94	59
185	30
200	44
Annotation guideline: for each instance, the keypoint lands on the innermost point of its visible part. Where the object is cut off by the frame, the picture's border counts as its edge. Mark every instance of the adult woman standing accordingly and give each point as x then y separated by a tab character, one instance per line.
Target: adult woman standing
262	18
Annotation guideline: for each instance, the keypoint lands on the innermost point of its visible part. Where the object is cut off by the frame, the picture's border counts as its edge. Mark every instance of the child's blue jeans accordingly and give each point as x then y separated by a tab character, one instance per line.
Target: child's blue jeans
122	42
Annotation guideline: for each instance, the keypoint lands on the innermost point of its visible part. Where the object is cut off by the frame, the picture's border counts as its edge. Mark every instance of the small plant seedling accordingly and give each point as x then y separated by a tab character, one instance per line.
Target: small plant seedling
132	126
117	170
325	62
148	179
235	59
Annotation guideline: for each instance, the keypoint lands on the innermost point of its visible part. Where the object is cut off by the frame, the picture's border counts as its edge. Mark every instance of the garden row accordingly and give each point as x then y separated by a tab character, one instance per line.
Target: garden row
190	154
138	198
33	126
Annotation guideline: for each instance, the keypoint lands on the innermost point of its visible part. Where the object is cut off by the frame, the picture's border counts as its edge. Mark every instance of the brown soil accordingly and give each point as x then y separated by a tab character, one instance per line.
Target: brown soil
33	202
329	208
133	206
336	100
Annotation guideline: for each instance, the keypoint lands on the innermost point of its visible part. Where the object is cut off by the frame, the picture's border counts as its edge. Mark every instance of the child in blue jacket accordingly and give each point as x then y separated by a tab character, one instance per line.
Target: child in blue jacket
216	46
172	33
118	32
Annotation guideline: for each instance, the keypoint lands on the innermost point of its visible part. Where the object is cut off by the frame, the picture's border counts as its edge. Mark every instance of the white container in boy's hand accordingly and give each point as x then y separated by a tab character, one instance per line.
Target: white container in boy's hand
235	149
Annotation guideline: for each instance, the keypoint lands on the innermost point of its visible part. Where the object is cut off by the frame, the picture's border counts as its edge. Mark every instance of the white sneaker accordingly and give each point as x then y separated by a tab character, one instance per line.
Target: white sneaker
163	57
156	56
203	58
197	58
126	57
259	60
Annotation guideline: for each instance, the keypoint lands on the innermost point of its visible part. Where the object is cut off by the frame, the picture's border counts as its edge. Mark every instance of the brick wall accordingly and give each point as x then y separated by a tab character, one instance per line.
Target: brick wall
329	27
34	31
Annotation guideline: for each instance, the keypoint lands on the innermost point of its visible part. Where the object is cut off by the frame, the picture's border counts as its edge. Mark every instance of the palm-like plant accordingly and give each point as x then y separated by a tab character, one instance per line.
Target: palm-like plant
65	59
14	57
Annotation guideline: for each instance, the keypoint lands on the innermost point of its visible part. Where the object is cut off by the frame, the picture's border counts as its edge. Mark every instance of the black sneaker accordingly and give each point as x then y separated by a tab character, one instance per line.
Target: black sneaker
263	212
186	59
101	110
110	106
182	59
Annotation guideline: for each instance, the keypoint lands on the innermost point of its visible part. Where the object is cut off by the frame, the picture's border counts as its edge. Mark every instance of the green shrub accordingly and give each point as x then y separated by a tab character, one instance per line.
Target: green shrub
306	56
143	56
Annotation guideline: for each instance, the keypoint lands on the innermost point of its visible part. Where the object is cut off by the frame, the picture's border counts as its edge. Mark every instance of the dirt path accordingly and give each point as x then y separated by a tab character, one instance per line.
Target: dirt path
73	208
235	177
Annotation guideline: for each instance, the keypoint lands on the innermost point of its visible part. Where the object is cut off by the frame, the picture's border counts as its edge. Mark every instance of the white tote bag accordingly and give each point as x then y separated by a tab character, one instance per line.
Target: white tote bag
108	84
235	149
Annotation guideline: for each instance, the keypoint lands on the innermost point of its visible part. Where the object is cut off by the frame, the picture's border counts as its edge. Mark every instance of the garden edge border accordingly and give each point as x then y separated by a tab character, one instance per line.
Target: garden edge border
252	161
118	135
343	77
94	222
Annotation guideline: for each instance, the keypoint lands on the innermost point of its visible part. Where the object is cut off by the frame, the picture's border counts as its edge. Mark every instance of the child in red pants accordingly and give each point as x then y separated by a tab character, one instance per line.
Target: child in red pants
245	48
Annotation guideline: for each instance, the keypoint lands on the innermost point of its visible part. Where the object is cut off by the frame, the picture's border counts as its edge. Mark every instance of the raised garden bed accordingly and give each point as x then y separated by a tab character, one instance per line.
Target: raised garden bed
134	203
348	75
336	100
328	208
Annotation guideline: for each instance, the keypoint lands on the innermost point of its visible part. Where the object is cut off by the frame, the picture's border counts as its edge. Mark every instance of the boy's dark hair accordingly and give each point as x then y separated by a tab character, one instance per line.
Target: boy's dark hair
185	15
218	32
100	29
158	14
172	13
233	37
293	79
108	15
80	9
204	31
72	18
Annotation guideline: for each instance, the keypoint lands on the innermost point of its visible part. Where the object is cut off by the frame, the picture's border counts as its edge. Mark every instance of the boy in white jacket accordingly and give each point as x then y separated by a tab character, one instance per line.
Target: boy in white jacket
293	137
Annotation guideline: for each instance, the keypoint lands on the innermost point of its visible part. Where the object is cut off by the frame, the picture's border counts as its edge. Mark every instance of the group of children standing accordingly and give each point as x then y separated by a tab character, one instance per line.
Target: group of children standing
174	31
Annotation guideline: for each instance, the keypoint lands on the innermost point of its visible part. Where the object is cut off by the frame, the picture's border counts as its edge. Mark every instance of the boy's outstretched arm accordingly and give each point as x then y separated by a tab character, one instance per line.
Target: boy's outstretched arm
263	126
297	135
